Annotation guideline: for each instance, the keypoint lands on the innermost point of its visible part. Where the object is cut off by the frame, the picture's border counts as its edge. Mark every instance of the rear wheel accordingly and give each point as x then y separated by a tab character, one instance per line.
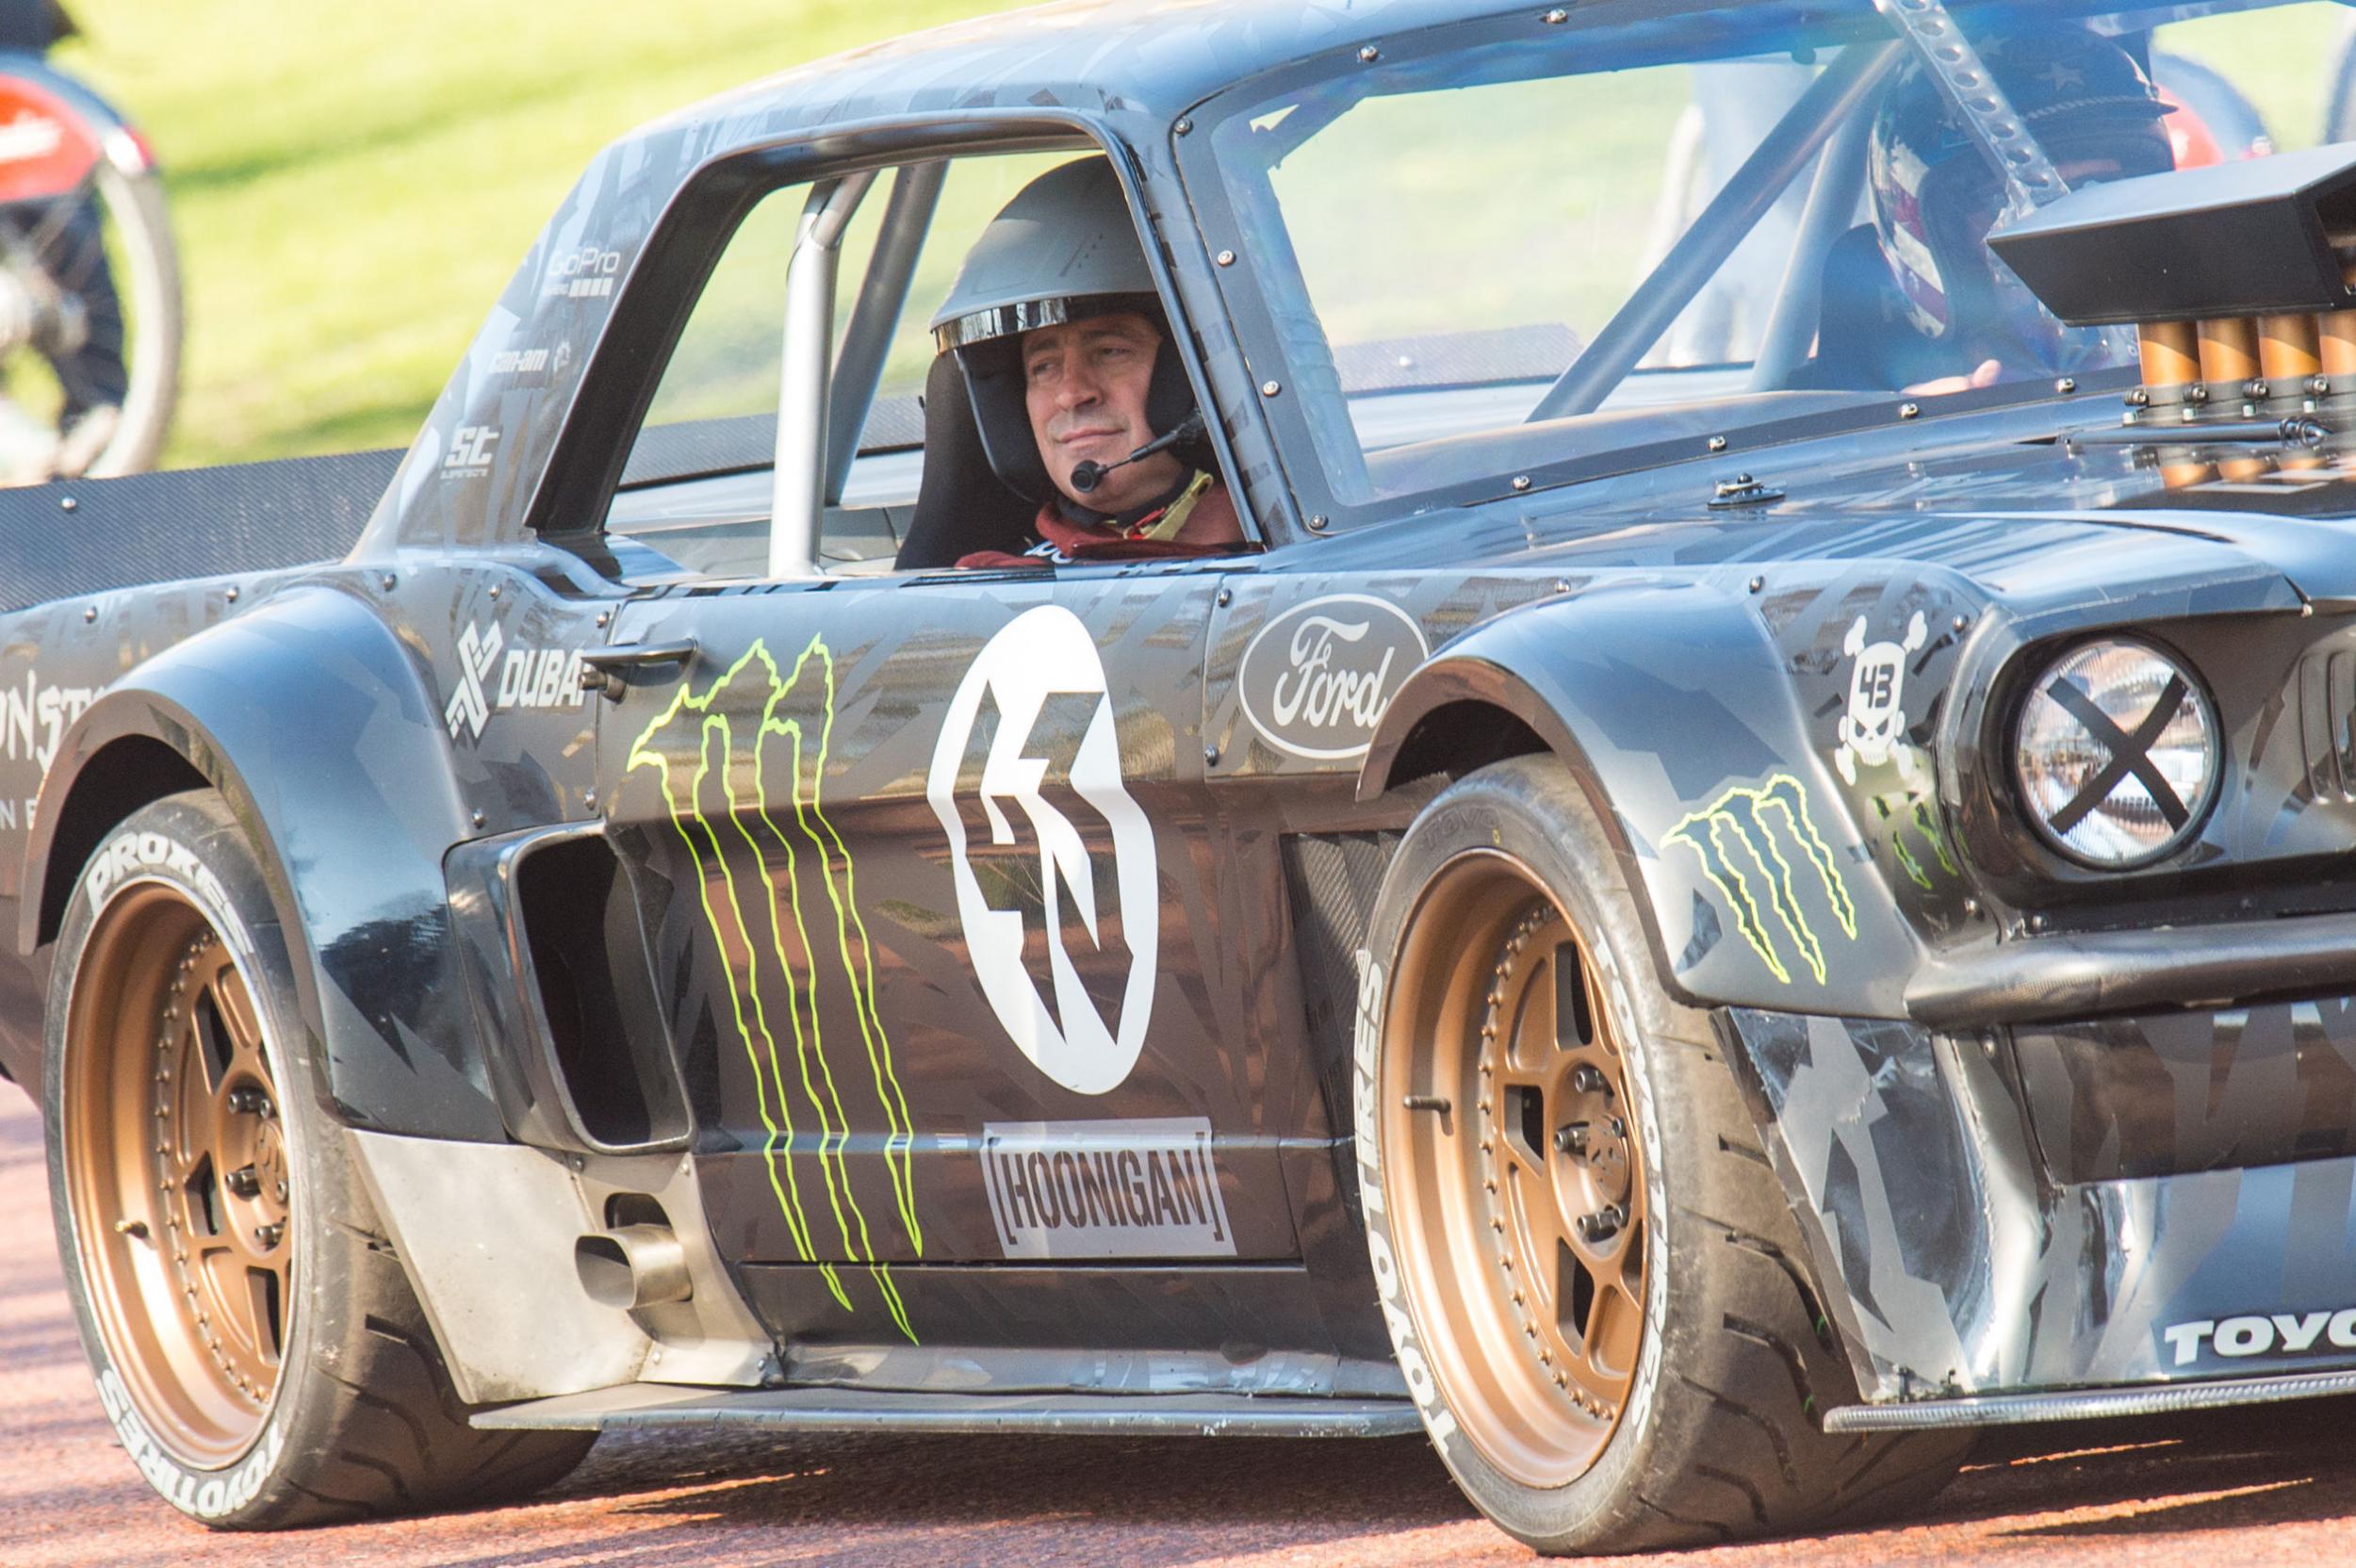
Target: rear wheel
1593	1281
256	1342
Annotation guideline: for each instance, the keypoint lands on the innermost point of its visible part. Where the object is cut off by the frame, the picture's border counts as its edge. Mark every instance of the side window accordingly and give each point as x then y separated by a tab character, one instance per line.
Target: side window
696	493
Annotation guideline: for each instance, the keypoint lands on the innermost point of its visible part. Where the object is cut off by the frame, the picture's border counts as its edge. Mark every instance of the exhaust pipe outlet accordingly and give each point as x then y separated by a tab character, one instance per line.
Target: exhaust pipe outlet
636	1265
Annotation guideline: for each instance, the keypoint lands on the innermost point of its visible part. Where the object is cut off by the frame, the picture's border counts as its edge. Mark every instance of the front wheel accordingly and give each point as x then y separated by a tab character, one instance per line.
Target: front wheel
254	1339
1593	1282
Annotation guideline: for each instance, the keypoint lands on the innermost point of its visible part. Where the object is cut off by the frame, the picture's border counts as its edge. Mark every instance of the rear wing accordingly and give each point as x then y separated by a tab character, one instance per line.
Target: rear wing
88	536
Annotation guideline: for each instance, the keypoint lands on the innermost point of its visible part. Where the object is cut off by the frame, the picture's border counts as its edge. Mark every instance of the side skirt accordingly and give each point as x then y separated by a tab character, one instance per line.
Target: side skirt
1999	1409
841	1410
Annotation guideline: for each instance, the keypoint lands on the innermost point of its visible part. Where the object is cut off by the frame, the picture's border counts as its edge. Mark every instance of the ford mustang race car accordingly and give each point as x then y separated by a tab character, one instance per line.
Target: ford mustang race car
1696	839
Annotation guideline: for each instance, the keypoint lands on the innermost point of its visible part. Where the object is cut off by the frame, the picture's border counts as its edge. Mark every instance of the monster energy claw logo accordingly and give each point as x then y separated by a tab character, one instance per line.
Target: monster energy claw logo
1913	814
769	730
1761	848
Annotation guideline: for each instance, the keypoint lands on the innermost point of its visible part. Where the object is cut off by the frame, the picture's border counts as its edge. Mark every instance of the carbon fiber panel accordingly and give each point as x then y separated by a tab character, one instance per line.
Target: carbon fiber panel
1331	881
88	536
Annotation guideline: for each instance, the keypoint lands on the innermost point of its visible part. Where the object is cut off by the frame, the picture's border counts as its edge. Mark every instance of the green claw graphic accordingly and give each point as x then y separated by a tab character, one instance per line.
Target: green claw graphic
1924	822
755	696
1739	840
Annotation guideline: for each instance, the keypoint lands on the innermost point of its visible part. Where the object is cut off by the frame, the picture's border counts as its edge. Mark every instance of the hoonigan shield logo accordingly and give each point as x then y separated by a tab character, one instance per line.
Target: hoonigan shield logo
1753	843
742	765
1037	661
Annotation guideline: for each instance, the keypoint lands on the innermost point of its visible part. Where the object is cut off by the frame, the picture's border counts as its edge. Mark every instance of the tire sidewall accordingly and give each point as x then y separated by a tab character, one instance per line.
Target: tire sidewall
1531	811
192	844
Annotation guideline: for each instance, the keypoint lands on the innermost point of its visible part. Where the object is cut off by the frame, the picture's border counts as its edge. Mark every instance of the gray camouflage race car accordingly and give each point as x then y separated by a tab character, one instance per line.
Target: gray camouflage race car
1626	733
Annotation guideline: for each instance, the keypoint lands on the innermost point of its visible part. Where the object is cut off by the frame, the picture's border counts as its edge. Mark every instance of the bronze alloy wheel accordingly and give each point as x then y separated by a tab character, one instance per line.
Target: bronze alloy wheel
1513	1169
179	1174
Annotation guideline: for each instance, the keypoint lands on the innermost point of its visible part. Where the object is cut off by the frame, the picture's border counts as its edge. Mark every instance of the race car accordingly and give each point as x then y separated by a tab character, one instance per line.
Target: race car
1080	726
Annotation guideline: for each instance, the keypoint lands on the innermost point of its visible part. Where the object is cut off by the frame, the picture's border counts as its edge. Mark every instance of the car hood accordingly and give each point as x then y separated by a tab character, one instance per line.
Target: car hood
2032	518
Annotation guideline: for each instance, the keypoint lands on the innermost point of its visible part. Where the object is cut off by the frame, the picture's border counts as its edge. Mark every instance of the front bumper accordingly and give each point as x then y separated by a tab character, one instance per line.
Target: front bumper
2002	1215
2091	974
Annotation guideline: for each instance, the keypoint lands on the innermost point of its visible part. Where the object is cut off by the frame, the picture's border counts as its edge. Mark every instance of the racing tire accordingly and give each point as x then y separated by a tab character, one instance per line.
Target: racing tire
257	1343
1593	1281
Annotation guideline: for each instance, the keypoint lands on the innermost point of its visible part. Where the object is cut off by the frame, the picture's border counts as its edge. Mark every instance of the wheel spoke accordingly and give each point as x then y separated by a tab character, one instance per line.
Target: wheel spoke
231	1005
1539	1219
1615	1328
268	1299
1534	1027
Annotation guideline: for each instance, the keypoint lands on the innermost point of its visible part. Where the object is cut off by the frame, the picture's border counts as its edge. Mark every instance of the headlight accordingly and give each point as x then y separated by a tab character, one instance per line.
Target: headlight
2117	753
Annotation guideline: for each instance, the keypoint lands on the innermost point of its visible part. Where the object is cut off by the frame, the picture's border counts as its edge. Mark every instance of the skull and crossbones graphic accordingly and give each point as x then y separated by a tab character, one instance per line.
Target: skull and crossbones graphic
1873	731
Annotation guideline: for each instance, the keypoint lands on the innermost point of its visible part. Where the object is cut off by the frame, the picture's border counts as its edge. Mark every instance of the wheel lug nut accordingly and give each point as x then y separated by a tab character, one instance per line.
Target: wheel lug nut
245	1183
268	1236
1618	1126
1589	1079
1603	1224
1571	1139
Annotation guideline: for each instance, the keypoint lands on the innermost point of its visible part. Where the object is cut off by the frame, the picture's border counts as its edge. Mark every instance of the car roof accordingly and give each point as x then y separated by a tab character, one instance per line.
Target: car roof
1115	58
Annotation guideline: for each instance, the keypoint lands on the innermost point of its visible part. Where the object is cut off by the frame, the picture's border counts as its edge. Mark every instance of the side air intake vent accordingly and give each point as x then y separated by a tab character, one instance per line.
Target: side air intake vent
589	964
579	1052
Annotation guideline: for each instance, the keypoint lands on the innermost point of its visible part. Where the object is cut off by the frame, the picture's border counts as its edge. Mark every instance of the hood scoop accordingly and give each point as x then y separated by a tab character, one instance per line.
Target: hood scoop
2238	281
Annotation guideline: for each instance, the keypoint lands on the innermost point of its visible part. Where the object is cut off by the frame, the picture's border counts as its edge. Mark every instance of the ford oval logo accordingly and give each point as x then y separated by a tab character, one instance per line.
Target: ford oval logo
1318	677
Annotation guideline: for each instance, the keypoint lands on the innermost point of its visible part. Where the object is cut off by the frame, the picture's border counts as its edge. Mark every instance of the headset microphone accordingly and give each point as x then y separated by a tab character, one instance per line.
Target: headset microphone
1088	475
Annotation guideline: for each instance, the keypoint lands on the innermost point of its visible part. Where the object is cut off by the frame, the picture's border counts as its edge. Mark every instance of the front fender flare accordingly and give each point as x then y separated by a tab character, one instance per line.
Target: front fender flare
1671	707
314	721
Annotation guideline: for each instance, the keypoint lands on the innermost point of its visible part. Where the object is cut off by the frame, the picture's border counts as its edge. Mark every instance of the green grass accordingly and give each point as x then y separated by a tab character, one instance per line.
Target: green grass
353	185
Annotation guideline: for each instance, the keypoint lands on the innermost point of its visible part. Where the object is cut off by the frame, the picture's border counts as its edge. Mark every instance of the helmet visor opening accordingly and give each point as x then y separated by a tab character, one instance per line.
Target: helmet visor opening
1012	320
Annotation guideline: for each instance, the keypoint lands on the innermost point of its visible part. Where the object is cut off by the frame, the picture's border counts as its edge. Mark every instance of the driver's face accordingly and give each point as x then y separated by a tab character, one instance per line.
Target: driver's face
1084	386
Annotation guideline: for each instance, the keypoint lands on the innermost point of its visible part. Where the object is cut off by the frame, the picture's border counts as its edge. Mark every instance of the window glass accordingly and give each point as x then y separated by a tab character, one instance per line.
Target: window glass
730	354
1484	259
695	498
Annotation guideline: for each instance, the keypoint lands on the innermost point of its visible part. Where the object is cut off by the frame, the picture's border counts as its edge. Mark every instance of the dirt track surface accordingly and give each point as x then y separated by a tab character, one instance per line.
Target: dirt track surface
2270	1486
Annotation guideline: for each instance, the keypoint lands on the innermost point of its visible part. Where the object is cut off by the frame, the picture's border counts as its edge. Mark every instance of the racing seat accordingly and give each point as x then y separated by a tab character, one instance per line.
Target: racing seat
961	505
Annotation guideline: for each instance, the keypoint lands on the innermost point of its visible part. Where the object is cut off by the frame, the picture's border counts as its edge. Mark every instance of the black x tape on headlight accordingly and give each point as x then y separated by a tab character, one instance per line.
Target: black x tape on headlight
2117	754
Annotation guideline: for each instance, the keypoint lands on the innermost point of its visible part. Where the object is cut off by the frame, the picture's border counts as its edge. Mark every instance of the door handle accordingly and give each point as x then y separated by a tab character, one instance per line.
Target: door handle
607	669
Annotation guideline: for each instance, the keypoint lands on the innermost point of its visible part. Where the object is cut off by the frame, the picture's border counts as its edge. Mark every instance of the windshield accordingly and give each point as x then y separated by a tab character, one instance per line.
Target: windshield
1480	253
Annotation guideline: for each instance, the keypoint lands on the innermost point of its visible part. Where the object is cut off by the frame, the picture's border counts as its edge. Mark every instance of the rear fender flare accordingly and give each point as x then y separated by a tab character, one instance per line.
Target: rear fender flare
314	721
1672	708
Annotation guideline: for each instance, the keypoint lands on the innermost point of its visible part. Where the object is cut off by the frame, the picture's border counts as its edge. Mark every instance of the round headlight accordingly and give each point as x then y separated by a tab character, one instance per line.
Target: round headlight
2117	753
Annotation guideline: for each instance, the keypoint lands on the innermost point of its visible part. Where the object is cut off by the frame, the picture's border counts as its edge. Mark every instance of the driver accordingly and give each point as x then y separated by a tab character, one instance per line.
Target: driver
1916	299
1068	364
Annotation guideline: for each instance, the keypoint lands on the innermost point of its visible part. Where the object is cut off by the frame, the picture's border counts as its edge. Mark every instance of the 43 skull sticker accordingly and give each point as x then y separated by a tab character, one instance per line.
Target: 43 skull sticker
1873	731
1034	705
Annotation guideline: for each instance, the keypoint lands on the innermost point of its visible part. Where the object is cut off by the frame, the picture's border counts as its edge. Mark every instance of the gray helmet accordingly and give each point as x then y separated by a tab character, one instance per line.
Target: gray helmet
1063	250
